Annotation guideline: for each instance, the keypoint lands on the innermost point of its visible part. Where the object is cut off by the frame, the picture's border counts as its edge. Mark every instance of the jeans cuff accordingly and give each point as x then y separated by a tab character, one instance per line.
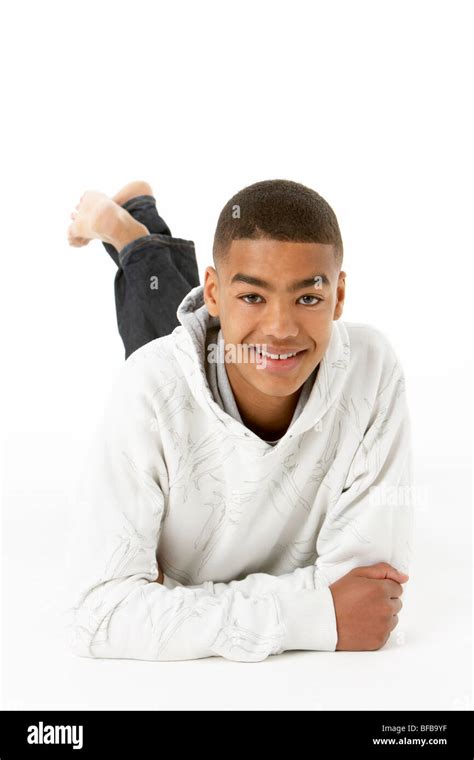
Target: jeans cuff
138	201
154	240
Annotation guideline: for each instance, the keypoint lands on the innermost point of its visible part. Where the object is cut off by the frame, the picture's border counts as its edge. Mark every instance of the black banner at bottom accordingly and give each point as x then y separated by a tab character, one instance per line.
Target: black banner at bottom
324	733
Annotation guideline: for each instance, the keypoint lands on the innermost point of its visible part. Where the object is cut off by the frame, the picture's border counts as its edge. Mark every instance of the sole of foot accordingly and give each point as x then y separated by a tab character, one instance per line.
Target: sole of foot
98	217
81	231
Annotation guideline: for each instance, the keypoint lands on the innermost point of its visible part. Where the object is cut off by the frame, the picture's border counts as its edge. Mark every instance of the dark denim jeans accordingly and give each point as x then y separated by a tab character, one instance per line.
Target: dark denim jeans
154	274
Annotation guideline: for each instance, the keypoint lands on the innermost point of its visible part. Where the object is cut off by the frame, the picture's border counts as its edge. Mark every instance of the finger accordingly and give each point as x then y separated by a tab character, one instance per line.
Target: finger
396	605
393	589
396	575
394	622
380	571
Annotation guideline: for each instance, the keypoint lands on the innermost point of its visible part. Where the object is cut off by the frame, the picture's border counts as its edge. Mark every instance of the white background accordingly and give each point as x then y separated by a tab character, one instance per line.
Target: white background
365	102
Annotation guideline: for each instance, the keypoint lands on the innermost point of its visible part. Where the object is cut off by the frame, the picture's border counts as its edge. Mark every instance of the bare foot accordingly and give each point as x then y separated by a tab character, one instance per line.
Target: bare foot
130	190
76	241
98	217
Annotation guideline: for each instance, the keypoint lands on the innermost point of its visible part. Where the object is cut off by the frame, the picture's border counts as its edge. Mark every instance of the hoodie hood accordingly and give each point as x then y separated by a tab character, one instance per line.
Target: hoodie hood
198	329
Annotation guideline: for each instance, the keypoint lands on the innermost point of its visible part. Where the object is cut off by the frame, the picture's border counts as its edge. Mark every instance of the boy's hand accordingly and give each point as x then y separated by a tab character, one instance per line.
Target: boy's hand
367	602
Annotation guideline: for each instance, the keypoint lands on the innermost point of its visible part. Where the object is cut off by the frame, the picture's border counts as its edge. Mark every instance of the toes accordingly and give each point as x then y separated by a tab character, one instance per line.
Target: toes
74	239
76	242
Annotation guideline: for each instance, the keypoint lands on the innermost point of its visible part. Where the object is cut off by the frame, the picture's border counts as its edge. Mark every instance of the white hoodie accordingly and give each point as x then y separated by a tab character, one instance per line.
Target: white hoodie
249	535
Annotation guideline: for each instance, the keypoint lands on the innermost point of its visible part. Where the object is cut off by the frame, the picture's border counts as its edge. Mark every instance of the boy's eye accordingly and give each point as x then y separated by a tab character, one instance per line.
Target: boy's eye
253	296
250	295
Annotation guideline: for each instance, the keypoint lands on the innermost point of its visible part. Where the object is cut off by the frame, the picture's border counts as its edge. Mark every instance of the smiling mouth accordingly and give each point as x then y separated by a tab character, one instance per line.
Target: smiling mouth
280	356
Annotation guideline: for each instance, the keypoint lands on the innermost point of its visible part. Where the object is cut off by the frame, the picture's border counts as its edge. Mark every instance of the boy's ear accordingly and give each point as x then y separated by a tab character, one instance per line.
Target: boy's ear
211	291
341	294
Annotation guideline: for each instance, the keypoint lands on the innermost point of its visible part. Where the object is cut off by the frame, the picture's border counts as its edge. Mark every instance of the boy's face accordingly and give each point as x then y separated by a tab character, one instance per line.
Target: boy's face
276	308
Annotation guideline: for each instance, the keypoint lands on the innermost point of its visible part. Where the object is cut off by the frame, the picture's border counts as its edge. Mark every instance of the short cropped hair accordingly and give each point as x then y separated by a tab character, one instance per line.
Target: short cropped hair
277	209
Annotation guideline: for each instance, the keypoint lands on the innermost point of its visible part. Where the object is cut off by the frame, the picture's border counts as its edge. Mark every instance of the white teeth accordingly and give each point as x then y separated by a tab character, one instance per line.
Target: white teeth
276	356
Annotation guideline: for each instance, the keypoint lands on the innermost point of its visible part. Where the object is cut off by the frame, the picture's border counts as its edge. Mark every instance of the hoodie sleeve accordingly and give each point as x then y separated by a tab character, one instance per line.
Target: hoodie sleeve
372	519
369	520
118	610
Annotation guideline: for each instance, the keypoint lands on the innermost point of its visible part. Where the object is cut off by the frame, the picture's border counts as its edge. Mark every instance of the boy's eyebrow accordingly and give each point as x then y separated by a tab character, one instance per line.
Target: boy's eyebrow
296	285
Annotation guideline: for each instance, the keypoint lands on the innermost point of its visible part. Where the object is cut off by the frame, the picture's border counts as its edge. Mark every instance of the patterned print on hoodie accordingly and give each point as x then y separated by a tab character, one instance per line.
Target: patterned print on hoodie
249	534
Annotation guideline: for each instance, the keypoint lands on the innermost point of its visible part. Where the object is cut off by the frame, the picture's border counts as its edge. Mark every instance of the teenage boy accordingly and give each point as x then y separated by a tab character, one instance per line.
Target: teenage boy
247	491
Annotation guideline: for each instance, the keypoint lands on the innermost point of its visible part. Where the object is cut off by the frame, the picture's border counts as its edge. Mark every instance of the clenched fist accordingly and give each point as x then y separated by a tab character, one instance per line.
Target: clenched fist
367	602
